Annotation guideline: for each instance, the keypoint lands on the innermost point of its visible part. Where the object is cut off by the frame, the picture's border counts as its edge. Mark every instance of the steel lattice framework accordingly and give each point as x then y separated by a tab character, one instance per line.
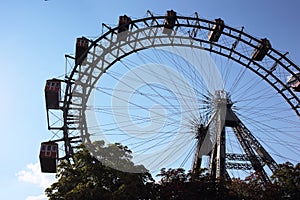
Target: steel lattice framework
145	33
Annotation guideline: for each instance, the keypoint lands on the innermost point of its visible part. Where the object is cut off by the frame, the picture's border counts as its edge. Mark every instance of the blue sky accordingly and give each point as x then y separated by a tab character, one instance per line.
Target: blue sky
35	35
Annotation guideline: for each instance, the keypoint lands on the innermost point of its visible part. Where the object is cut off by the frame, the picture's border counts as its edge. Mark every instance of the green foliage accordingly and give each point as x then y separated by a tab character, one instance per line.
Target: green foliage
88	178
92	177
176	184
115	156
287	179
284	185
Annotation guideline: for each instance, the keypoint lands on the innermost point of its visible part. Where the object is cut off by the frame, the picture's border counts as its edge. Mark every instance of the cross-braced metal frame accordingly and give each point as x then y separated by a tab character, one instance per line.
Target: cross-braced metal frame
255	153
145	33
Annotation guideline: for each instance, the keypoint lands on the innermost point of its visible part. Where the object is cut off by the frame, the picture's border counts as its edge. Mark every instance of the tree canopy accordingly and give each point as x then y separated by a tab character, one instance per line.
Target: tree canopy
97	177
88	178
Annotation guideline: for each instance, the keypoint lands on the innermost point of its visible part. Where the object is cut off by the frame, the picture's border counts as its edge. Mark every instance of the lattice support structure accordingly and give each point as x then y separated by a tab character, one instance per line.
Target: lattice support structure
255	157
145	33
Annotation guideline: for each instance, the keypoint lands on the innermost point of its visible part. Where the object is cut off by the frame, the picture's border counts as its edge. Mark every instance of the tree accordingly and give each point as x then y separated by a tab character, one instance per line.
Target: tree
287	179
285	184
88	178
254	188
96	177
176	184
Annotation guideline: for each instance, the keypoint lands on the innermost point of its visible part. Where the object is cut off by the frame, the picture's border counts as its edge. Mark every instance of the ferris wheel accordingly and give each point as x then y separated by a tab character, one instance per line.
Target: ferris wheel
179	92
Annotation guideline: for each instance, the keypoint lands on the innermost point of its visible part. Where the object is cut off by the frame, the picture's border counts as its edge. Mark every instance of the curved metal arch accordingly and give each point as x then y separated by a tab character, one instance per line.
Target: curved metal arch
229	53
201	25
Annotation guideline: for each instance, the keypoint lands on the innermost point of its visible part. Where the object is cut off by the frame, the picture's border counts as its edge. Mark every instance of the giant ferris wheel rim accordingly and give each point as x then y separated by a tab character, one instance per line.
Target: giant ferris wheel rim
194	22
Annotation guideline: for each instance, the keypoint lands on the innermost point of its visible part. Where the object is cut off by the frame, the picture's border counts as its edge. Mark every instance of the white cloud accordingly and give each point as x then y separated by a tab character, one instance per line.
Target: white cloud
33	175
40	197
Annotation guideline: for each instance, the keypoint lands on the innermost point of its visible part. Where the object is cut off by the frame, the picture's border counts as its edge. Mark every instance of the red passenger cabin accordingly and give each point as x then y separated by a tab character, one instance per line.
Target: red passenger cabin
124	22
82	45
52	93
293	82
169	22
261	50
216	31
48	157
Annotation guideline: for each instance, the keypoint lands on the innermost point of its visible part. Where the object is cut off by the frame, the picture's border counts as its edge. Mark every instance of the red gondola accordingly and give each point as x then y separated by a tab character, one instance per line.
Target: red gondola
216	31
52	93
169	22
261	50
124	22
293	82
82	45
48	157
296	87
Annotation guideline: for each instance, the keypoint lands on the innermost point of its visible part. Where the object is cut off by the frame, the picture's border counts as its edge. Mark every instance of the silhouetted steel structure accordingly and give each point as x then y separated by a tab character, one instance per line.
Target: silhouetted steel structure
255	153
76	93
